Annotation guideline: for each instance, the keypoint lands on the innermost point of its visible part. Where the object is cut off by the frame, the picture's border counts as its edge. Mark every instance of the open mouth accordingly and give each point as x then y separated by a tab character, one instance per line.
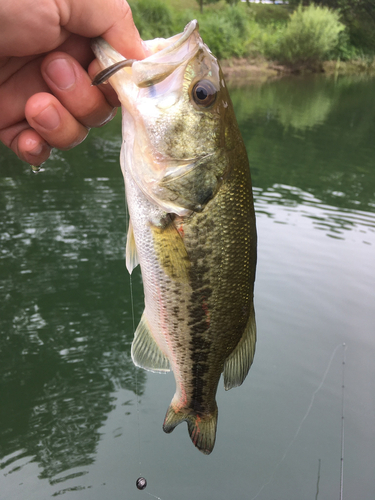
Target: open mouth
150	71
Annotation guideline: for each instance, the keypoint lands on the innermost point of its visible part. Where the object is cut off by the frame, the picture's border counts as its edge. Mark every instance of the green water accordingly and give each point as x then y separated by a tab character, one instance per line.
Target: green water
69	420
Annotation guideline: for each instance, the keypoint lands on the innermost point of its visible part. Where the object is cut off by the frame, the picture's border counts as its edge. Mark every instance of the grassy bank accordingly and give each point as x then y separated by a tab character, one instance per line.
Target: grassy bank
271	38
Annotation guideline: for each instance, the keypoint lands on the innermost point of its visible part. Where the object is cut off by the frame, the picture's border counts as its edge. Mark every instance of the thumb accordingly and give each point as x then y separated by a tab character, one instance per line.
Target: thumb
110	19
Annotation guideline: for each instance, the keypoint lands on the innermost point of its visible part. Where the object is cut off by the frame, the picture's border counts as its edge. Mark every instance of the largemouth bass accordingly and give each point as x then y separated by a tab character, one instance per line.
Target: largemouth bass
192	223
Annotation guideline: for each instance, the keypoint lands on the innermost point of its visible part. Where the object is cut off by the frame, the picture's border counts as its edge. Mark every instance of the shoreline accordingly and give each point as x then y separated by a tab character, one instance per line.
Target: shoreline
256	70
260	70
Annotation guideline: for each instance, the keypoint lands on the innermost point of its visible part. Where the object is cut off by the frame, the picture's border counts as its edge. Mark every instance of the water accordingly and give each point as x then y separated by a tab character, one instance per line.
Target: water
69	418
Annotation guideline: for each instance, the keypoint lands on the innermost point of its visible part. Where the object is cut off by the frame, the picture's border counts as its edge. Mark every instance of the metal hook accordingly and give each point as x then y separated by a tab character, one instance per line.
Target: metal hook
106	73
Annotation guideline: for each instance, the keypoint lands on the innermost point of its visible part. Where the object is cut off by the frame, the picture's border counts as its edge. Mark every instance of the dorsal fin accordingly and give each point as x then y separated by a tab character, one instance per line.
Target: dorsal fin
238	363
145	351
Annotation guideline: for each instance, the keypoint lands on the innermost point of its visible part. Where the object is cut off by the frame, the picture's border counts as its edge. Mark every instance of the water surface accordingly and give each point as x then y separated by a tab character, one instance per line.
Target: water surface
69	419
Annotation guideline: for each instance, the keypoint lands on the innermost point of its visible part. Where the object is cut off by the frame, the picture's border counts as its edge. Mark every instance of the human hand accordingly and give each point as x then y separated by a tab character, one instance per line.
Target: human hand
46	97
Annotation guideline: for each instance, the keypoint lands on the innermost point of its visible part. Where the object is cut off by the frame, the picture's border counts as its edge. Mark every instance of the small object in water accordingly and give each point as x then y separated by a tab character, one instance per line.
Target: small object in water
141	483
35	169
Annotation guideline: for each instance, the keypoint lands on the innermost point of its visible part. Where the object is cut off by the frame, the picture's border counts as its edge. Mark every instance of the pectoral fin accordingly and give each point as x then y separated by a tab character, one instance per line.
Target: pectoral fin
131	250
171	252
145	351
237	365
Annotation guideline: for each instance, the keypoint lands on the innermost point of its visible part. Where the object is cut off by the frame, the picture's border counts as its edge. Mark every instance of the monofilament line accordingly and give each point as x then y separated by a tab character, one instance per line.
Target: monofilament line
301	423
318	480
136	383
151	495
133	324
137	397
342	421
136	368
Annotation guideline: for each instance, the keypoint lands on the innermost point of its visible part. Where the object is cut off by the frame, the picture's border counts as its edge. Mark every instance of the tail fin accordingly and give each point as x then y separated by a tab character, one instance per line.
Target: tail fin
202	429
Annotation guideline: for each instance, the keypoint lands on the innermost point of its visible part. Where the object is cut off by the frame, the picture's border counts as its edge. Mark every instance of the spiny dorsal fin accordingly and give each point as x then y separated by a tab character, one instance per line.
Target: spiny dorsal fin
131	250
145	351
237	365
171	252
202	429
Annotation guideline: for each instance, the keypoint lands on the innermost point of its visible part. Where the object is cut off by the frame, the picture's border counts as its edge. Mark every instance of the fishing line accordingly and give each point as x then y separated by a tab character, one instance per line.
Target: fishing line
136	385
318	481
141	482
301	423
342	421
136	368
151	495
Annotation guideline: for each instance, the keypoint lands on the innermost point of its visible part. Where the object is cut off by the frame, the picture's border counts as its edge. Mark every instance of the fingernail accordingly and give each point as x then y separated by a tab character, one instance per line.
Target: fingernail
35	151
33	147
147	51
49	118
61	72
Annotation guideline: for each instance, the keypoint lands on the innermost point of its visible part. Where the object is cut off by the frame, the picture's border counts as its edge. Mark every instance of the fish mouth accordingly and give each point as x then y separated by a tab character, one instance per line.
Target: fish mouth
163	47
167	55
148	90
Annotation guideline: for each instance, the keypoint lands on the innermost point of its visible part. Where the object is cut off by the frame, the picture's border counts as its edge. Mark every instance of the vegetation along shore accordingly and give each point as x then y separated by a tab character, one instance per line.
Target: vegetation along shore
258	41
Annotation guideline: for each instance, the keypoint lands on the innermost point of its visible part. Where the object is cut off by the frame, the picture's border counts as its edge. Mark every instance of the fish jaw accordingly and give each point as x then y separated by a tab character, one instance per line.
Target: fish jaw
166	55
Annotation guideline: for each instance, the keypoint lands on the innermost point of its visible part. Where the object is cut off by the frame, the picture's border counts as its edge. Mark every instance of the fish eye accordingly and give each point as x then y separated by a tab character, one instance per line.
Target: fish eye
204	93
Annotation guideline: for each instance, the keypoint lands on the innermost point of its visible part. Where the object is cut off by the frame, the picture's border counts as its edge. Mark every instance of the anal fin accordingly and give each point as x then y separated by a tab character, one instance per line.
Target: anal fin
238	363
145	351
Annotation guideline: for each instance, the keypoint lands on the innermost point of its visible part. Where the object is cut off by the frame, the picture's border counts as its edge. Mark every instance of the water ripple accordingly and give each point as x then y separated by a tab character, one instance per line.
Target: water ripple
288	204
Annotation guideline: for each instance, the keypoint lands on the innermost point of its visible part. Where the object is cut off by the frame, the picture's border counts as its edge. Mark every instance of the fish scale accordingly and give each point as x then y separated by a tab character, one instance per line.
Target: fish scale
192	224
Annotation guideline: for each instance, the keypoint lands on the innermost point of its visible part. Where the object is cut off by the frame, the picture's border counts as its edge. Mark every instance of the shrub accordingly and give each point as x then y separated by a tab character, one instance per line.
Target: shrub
270	14
153	19
310	35
226	32
344	49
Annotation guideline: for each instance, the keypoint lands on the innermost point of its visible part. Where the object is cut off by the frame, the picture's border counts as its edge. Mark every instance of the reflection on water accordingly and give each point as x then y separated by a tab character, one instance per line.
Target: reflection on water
334	221
67	383
64	346
331	158
286	101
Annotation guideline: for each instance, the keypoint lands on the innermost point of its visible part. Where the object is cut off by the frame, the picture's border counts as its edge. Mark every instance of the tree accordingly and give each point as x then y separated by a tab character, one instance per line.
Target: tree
359	16
205	2
233	2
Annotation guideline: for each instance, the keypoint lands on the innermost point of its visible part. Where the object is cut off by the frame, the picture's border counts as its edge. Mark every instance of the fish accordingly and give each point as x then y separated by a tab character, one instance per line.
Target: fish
192	224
